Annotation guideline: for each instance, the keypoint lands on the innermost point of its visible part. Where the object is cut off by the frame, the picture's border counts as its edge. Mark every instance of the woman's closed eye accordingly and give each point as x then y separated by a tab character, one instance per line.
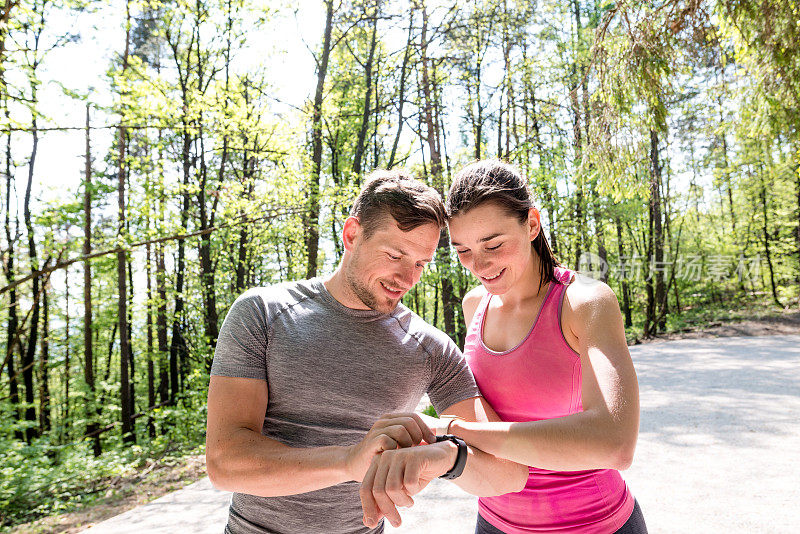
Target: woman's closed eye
494	247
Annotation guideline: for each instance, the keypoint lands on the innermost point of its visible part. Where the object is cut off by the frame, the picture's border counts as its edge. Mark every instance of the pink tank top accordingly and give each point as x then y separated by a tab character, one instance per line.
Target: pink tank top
541	379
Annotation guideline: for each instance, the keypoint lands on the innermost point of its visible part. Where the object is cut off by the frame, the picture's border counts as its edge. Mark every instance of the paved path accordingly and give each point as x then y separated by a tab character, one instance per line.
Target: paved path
719	450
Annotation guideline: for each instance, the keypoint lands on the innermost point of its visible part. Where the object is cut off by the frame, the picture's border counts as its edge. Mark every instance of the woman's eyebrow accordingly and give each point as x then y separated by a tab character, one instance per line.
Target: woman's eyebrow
481	240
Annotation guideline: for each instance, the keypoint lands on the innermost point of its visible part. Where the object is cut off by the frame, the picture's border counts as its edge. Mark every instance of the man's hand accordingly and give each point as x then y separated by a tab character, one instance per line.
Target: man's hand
392	431
395	475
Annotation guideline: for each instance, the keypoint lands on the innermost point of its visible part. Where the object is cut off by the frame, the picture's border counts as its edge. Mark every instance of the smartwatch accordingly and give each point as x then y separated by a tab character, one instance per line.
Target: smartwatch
461	456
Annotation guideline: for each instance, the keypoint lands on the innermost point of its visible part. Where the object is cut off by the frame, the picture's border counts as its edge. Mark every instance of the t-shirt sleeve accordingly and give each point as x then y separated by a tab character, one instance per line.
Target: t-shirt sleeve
451	378
242	343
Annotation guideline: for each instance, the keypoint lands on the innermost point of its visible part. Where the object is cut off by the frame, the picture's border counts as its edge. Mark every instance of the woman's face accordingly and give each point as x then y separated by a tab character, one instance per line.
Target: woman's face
494	245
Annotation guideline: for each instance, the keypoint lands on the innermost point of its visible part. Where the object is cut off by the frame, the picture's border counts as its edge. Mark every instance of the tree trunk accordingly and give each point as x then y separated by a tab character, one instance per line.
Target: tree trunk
666	238
626	305
797	188
210	316
131	361
362	132
655	284
161	288
177	350
67	370
313	205
88	357
12	343
601	243
508	86
161	326
241	259
30	352
122	260
177	345
109	360
428	104
402	89
550	201
434	144
766	238
578	136
151	390
44	362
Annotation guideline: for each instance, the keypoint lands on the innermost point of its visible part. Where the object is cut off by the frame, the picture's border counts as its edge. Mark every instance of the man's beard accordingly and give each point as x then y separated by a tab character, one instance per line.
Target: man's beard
364	294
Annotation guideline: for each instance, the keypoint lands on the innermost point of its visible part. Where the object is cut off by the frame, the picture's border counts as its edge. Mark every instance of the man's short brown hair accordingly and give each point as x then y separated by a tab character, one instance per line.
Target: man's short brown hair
410	202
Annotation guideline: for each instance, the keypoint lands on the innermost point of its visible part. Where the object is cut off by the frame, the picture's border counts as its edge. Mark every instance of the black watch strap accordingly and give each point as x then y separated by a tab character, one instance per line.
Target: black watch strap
461	457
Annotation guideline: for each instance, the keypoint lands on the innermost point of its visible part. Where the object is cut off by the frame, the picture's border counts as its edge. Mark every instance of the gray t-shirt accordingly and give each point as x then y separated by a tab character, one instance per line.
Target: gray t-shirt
331	372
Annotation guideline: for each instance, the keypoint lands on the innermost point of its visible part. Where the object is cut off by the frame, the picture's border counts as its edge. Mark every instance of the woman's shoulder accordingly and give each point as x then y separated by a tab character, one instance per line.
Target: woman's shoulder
470	302
589	304
585	294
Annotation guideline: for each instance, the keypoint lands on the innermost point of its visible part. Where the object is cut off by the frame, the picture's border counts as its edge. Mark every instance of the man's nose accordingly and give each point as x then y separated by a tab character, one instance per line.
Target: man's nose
406	275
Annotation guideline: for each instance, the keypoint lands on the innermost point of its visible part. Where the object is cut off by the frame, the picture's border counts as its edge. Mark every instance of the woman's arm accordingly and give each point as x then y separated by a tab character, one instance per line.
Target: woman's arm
604	435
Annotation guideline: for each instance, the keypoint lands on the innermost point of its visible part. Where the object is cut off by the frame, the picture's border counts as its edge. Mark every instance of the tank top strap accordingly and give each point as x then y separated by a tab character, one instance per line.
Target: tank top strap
564	275
550	315
480	311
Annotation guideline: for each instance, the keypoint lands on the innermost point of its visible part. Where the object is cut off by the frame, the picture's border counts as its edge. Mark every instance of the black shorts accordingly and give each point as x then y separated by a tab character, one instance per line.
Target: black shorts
634	525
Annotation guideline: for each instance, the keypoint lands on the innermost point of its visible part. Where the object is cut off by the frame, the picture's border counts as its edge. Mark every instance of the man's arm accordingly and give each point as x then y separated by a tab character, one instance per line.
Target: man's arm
239	458
395	476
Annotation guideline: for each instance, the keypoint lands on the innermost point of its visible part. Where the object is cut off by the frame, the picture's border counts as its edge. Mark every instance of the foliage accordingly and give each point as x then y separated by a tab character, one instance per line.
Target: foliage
658	137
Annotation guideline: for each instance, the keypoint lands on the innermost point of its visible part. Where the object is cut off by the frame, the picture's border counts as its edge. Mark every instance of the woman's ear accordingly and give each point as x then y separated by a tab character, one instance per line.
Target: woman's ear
534	223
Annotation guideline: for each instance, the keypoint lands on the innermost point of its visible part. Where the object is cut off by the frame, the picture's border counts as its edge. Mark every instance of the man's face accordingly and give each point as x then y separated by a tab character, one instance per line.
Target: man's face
387	264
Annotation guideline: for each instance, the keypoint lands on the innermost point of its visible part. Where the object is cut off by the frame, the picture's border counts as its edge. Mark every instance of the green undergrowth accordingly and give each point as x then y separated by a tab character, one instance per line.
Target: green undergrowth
41	479
52	476
430	410
702	311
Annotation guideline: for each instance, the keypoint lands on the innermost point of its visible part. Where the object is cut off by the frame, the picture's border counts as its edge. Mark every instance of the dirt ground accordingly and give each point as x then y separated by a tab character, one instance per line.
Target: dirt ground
162	479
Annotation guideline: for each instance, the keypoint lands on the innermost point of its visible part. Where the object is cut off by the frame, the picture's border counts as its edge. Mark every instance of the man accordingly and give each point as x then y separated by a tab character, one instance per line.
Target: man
303	373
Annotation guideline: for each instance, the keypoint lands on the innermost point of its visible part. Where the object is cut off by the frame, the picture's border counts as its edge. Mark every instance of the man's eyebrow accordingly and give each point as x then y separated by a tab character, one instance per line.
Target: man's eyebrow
402	252
481	240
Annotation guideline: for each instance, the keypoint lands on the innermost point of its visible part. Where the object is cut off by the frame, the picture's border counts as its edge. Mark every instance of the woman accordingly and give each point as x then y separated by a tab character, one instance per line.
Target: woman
548	352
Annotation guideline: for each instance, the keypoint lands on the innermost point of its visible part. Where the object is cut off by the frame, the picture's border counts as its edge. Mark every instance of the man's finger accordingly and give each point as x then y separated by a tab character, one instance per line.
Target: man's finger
412	422
385	504
385	442
401	435
372	514
411	478
413	428
427	434
395	486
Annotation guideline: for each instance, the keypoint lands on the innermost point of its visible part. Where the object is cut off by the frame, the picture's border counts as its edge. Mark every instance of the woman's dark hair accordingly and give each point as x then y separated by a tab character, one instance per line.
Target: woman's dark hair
492	180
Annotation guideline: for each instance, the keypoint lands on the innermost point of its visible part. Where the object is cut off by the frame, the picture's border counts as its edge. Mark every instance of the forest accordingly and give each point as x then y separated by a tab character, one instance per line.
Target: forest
219	151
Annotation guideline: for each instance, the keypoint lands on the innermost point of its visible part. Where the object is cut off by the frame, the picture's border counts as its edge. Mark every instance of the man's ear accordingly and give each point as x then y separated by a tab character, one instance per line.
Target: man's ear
351	232
534	223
